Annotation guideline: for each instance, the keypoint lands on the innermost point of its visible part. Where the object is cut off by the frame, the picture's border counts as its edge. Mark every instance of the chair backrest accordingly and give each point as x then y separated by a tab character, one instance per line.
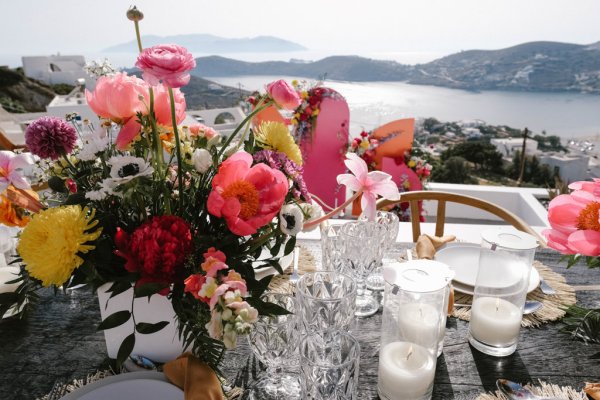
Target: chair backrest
442	198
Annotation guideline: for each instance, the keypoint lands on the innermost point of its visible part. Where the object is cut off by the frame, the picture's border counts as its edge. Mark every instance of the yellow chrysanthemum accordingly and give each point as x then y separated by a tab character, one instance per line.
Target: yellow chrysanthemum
276	136
50	242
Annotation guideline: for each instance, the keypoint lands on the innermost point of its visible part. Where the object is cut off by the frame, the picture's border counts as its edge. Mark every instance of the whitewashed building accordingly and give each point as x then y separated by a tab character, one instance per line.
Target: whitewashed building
571	167
508	147
56	69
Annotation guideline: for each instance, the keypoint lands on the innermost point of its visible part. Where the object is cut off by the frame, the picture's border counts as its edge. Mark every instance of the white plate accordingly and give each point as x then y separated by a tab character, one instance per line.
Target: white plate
463	259
147	385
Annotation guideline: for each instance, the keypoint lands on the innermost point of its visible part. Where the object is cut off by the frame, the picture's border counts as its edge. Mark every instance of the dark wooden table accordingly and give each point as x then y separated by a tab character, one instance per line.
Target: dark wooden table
58	343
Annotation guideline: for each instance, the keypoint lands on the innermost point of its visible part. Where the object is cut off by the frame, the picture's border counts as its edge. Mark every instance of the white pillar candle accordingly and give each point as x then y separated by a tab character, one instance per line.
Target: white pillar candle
406	371
420	323
495	322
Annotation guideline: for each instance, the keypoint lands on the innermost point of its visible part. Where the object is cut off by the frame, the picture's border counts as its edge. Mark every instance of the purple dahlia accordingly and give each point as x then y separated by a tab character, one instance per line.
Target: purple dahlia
50	137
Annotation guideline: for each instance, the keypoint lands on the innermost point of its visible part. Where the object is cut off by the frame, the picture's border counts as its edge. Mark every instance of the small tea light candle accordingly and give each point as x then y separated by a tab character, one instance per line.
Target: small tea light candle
495	322
419	323
406	371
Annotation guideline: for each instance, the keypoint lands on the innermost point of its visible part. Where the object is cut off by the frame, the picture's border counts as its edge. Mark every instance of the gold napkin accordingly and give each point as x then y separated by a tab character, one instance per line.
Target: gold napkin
592	390
197	379
426	247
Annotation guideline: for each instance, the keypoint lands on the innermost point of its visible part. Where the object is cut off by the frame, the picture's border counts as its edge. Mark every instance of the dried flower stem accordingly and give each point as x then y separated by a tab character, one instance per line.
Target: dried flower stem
325	217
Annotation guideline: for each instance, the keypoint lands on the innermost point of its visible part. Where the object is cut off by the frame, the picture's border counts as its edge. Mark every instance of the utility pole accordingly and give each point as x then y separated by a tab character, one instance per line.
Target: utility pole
522	172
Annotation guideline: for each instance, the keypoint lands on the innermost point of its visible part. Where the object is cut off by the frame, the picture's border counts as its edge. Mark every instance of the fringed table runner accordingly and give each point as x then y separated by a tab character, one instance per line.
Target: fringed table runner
544	390
306	263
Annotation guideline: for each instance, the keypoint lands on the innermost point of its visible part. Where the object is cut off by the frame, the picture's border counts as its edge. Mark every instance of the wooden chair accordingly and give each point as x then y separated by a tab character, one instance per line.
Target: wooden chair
442	198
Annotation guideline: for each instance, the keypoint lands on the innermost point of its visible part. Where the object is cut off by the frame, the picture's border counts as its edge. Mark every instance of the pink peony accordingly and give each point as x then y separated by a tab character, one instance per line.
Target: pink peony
50	137
284	95
575	220
247	197
117	97
168	63
162	105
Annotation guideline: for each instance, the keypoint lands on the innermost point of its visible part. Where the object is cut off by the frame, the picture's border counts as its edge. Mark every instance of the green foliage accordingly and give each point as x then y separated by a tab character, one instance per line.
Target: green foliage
582	324
11	105
549	143
62	88
454	170
9	77
483	155
535	173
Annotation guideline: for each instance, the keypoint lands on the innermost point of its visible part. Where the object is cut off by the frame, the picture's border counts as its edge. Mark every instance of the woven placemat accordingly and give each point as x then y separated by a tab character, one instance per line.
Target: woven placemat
553	305
544	390
306	263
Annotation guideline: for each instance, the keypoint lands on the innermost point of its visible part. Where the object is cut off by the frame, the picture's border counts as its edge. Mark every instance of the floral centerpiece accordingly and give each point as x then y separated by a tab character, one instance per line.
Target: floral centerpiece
141	200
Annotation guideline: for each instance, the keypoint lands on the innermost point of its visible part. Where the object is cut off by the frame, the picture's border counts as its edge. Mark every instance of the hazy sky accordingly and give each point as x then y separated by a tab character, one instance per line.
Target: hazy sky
336	26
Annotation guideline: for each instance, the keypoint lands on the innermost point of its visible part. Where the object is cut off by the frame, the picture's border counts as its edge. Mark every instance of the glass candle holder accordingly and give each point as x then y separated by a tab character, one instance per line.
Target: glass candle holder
326	302
414	312
391	224
500	290
331	247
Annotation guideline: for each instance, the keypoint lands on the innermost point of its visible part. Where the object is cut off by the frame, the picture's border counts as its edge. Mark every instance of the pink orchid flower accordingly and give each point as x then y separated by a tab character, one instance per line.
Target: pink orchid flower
371	184
10	170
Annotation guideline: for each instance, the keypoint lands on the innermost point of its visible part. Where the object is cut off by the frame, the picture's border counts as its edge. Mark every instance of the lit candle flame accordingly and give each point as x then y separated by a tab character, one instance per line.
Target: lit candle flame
497	303
410	351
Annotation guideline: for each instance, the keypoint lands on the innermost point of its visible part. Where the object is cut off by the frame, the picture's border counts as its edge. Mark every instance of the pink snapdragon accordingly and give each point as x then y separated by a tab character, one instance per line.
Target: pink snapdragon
230	314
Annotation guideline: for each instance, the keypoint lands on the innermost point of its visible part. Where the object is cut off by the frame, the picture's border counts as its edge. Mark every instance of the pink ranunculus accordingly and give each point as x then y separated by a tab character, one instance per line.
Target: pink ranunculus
247	197
168	63
284	95
117	97
575	222
162	105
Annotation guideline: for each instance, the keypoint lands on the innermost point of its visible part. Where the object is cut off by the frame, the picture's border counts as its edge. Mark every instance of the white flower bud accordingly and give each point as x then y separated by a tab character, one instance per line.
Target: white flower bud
202	160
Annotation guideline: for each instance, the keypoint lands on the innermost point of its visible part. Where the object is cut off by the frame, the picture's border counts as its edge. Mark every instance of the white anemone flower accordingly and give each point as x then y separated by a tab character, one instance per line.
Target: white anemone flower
312	211
291	219
92	144
125	168
202	160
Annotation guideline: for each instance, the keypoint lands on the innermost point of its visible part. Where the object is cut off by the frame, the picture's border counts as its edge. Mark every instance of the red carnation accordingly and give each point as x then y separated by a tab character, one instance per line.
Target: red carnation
157	249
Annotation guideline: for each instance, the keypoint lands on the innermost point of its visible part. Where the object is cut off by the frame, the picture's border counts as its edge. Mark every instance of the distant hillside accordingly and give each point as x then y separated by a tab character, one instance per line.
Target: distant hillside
535	66
204	43
21	94
345	68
